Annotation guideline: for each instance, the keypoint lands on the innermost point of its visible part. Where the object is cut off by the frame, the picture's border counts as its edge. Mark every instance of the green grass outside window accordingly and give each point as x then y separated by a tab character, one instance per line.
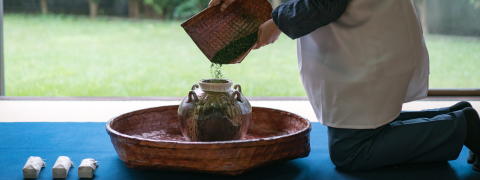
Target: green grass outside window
57	55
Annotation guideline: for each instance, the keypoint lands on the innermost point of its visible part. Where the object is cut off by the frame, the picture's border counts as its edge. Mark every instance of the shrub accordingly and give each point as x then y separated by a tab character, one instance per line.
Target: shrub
169	9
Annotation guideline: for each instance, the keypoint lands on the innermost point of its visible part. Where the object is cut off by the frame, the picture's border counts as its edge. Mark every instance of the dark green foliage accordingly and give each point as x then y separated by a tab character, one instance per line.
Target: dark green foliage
164	8
189	8
179	9
234	49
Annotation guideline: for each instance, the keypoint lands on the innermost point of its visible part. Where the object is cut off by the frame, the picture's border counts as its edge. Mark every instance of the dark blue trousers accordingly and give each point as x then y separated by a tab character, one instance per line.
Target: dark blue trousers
413	137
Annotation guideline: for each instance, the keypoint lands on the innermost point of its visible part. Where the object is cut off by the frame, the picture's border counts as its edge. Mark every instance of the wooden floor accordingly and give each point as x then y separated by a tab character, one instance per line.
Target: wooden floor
91	110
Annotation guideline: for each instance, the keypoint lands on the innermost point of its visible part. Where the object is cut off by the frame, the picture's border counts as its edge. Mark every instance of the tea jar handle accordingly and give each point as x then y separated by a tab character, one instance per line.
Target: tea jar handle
195	86
192	96
237	95
238	87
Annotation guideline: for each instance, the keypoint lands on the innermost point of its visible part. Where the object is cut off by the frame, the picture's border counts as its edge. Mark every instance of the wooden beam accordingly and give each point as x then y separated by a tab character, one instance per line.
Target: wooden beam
454	92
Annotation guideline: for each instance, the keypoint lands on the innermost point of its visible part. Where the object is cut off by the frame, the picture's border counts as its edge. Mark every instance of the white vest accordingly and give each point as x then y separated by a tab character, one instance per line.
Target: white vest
360	69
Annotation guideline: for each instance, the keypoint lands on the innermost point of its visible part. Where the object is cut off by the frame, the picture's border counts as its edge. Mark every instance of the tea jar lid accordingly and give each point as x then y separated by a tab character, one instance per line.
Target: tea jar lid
216	85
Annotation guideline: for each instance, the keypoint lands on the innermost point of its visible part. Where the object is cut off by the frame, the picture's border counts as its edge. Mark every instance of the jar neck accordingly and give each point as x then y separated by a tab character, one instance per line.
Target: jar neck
215	85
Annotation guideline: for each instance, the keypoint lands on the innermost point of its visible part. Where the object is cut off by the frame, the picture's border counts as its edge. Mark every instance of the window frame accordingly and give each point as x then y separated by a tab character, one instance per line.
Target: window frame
2	64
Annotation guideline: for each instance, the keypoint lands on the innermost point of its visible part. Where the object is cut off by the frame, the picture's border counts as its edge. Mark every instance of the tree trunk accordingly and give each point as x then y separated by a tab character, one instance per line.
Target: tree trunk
133	8
93	5
148	11
43	6
421	6
276	3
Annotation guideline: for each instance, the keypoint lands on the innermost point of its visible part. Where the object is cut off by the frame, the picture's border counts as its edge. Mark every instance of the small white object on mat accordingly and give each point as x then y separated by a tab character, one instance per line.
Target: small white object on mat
87	168
32	167
61	167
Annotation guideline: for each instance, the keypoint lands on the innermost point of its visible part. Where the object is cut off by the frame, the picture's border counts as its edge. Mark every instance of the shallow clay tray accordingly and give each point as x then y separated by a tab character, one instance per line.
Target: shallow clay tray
151	138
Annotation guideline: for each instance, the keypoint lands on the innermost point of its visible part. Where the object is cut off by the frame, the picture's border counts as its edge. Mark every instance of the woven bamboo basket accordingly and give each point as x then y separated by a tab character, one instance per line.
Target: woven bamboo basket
151	138
212	30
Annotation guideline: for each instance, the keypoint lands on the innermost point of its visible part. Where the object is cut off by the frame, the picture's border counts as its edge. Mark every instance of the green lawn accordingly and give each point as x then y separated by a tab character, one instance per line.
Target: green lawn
77	56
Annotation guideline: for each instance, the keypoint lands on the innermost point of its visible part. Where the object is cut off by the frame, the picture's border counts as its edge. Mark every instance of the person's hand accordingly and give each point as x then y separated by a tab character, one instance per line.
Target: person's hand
224	3
268	33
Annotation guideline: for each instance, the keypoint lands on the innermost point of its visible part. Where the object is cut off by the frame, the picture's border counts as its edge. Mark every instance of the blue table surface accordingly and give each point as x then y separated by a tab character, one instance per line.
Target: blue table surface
18	141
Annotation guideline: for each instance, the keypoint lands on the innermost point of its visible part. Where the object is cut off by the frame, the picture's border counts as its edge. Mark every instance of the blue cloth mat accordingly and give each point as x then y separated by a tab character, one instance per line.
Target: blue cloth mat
18	141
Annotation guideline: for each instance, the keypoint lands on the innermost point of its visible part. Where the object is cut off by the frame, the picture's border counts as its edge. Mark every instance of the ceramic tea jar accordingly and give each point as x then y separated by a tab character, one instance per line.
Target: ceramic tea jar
214	111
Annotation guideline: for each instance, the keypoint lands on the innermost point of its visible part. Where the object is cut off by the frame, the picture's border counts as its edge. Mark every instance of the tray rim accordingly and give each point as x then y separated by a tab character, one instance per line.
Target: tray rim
141	141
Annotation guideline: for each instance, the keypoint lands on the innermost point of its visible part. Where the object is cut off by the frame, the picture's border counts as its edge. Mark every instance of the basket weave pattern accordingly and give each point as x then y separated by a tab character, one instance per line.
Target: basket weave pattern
212	30
274	135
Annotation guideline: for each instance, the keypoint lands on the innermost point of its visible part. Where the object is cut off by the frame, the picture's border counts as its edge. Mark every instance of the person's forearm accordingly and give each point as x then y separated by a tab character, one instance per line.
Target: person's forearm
297	18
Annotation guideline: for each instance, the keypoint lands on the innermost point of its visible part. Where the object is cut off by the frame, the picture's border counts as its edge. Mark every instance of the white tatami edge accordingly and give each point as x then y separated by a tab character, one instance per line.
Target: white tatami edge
102	111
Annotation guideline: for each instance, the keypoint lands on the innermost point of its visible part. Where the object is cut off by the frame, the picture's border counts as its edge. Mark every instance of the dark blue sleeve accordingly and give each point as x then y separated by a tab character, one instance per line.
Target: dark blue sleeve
297	18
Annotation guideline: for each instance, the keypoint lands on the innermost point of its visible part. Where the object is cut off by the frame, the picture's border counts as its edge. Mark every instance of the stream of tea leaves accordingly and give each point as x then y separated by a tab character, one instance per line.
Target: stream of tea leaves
216	71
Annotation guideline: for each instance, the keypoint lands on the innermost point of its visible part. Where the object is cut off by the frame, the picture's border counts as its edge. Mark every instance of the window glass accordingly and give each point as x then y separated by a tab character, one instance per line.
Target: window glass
138	48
